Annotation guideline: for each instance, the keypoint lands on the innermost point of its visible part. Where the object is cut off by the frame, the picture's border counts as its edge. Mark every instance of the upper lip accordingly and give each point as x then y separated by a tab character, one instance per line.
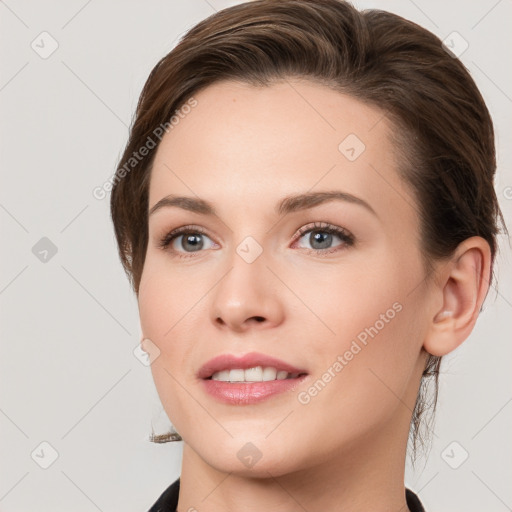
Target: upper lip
230	361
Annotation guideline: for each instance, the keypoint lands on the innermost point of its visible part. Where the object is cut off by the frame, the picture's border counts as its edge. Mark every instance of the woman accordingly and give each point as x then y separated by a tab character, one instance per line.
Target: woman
305	208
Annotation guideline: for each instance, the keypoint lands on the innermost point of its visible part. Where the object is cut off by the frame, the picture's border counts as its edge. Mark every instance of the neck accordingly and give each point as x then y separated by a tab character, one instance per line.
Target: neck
367	475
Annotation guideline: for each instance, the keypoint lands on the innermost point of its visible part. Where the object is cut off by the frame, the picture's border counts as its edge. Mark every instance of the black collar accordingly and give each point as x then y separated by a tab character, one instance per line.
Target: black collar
168	500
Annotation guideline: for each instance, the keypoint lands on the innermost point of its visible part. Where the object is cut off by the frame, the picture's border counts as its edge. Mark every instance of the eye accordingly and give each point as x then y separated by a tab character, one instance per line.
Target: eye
187	240
321	238
192	240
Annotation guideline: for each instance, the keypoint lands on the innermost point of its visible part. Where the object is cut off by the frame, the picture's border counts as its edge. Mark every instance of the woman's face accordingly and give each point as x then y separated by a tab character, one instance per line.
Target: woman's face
349	309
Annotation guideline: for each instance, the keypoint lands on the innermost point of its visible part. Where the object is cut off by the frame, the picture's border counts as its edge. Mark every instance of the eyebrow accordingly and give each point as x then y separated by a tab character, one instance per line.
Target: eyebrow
287	205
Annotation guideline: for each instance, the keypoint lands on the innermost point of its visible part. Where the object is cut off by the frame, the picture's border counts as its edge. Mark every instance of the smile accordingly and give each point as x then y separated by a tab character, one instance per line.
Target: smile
249	378
255	374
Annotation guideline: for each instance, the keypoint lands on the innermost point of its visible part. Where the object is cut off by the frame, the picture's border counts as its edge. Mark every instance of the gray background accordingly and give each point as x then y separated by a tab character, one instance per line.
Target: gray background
69	323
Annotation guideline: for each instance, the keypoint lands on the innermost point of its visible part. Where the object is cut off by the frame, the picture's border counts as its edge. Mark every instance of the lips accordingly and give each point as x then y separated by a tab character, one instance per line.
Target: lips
238	392
230	362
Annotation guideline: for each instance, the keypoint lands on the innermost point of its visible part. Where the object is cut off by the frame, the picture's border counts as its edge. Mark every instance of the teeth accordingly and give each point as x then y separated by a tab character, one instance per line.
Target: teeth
223	375
252	374
256	374
236	376
269	374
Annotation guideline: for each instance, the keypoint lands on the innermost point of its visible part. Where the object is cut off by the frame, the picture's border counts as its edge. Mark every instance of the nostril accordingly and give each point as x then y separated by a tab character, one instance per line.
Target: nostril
259	318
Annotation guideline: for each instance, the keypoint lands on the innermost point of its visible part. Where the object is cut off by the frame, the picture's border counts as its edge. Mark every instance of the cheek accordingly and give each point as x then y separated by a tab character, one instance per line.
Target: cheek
172	316
370	319
349	299
166	316
376	338
165	299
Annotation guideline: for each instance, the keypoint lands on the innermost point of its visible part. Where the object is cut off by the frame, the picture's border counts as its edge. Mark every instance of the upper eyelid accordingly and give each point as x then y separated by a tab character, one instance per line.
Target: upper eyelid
320	225
317	225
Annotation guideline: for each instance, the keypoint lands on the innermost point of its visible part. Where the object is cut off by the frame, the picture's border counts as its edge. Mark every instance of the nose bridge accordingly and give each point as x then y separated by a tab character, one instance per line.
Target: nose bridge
247	289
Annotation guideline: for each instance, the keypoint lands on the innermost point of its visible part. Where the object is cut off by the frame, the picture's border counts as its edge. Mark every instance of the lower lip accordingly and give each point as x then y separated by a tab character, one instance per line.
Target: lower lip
238	393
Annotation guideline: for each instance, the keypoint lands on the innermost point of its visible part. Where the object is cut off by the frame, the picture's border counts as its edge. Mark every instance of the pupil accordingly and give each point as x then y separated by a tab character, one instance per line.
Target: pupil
190	238
326	239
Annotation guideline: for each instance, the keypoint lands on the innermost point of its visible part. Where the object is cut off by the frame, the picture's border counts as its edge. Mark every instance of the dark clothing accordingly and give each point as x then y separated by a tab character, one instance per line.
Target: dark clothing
168	501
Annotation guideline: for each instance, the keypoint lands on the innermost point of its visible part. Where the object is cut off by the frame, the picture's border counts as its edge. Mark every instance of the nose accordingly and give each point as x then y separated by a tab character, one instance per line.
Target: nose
248	296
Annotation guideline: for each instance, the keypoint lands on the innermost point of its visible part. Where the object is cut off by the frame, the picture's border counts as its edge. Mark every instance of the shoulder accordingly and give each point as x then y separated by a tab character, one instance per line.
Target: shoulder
168	500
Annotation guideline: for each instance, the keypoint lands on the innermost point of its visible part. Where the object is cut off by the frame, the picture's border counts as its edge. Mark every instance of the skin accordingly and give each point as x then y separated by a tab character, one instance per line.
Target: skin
243	149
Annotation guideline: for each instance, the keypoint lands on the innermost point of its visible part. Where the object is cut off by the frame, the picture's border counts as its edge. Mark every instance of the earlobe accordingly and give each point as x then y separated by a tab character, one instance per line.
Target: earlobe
463	285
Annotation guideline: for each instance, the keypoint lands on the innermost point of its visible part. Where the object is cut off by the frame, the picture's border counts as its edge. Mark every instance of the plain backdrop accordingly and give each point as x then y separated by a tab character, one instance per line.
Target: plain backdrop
73	396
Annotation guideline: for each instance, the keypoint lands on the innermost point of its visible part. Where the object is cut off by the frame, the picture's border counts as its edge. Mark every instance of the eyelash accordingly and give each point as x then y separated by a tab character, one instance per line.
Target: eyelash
345	236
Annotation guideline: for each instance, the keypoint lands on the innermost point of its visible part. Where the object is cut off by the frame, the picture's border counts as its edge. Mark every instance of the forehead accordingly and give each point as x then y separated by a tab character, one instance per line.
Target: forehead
243	145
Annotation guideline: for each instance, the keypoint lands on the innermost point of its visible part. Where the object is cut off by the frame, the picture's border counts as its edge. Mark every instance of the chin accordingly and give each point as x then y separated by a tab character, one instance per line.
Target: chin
261	469
248	456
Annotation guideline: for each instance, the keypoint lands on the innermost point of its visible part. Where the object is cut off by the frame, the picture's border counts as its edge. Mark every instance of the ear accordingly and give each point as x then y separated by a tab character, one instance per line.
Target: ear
461	286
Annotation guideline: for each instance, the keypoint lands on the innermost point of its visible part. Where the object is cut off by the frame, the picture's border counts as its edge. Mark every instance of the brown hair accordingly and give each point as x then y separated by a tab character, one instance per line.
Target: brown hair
444	131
